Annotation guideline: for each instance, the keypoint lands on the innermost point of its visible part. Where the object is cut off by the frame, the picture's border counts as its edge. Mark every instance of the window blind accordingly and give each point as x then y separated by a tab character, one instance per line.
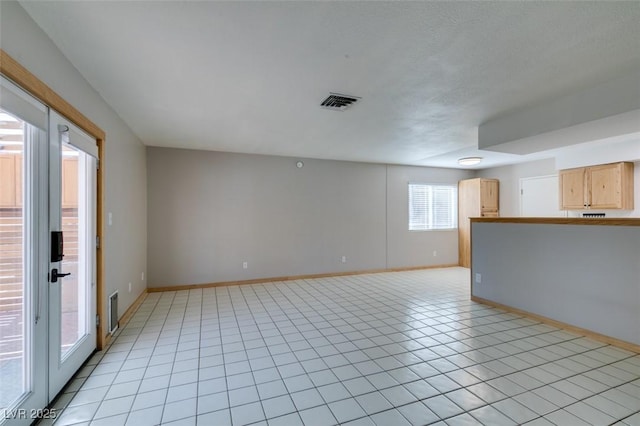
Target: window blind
432	207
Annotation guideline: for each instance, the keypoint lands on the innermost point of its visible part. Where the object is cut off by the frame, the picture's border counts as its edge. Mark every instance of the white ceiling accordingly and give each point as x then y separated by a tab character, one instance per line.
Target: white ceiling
249	76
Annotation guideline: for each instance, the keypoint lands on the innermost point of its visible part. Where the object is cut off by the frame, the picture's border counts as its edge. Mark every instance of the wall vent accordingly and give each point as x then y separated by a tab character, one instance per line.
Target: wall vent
338	102
113	312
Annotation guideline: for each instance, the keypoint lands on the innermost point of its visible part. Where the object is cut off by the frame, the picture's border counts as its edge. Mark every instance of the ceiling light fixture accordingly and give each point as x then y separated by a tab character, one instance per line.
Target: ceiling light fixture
469	161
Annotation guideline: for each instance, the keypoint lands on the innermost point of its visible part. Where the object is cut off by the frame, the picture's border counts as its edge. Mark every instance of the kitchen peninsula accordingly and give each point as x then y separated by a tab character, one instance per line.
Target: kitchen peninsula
581	273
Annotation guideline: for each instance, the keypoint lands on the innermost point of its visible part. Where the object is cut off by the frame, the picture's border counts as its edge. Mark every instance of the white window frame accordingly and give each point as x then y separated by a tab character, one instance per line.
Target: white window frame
429	221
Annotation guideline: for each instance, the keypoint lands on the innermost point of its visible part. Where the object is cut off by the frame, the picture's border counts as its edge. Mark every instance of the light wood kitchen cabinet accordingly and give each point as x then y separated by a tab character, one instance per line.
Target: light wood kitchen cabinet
489	196
607	186
476	198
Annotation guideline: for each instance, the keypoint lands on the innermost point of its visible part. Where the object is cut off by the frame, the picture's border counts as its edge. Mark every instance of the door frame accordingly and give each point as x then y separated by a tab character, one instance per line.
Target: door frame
12	70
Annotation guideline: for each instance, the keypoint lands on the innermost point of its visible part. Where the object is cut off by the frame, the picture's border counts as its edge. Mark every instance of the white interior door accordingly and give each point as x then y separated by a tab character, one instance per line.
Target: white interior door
72	276
539	197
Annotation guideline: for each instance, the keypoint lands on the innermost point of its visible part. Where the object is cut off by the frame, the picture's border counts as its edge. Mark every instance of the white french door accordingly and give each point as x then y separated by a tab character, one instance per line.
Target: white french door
72	275
23	250
47	253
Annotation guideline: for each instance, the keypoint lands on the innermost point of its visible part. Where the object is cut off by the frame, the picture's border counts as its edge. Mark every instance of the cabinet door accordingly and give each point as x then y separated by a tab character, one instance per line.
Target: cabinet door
468	206
572	189
604	184
489	195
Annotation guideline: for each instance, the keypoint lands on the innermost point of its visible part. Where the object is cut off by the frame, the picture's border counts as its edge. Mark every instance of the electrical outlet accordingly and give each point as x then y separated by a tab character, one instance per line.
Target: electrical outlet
435	253
344	259
129	287
245	265
142	276
478	278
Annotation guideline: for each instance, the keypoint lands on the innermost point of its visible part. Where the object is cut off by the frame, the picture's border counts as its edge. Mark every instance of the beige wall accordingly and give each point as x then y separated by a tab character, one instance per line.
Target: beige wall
211	211
125	164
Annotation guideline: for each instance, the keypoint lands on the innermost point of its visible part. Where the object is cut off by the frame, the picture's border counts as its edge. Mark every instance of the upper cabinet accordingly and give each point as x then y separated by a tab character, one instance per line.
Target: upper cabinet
608	186
489	196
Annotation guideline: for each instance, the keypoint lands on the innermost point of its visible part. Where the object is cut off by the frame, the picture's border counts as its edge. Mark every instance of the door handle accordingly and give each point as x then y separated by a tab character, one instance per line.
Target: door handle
55	275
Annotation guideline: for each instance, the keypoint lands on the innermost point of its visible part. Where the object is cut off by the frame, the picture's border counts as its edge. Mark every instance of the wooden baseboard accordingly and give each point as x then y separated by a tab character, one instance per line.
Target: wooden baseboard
572	328
124	319
292	278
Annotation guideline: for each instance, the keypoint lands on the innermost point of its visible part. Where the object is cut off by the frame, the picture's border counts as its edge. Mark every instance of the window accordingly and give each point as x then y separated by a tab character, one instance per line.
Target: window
432	207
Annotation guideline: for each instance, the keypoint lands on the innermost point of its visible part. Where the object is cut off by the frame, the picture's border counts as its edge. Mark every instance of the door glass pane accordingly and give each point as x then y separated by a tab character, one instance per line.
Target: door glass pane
13	333
72	296
74	287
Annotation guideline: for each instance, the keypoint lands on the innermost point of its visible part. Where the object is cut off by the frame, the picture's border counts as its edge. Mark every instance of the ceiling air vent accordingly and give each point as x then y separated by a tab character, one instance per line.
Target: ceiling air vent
338	102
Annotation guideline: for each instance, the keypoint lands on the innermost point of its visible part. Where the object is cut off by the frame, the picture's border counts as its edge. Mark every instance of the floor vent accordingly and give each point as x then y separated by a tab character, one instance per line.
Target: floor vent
338	102
113	312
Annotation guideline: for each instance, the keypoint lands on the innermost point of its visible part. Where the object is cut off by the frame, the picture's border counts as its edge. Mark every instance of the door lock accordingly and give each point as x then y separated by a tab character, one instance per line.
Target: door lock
55	275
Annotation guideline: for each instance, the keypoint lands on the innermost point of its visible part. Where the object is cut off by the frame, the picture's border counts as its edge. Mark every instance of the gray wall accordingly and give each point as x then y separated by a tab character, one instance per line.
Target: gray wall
211	211
125	165
410	248
584	275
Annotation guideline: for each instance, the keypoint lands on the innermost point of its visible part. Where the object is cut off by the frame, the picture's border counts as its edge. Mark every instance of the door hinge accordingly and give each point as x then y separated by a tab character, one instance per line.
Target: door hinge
522	192
97	242
97	320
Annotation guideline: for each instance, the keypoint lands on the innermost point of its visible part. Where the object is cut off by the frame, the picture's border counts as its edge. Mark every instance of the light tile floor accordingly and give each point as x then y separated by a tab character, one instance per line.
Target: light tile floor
406	348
